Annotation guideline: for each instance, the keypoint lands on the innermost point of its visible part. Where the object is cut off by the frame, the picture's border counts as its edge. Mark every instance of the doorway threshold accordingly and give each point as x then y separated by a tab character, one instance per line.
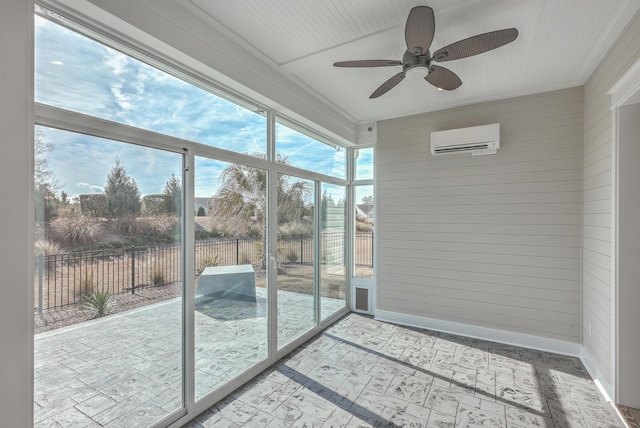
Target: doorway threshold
631	415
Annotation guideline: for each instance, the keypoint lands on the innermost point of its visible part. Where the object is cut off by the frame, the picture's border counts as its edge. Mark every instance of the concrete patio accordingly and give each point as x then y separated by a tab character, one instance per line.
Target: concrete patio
365	373
125	370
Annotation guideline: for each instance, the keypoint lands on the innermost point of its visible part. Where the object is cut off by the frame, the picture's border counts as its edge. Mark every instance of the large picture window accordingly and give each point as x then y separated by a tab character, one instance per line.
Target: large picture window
164	274
365	209
297	148
77	73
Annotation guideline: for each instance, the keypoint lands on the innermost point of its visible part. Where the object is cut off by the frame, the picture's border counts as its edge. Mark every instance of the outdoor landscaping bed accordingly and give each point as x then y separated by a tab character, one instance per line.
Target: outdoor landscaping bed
292	277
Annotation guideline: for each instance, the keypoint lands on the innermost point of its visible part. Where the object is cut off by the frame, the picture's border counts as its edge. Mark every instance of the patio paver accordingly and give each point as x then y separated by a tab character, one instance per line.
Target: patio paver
126	369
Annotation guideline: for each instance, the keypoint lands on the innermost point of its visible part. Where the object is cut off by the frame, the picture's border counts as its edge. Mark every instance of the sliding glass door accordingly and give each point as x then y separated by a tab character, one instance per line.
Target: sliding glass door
230	267
333	228
108	283
296	258
310	263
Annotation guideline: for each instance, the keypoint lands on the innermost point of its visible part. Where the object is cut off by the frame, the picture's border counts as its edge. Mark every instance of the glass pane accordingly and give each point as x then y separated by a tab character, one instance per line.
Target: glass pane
363	164
363	244
77	73
296	258
333	279
231	289
108	282
299	150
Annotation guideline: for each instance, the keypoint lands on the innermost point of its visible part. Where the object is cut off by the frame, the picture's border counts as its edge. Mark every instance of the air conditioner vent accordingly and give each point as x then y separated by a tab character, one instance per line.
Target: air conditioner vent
479	140
463	148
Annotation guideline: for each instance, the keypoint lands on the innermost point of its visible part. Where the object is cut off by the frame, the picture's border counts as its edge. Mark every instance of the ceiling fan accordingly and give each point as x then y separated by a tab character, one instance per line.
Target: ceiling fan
418	34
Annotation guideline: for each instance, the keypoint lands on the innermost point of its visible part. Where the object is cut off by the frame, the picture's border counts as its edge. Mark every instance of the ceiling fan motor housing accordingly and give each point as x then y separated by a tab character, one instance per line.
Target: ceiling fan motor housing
410	61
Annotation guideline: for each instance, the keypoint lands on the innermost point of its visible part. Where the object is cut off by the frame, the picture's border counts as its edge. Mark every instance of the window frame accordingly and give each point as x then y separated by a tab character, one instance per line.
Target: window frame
54	117
369	283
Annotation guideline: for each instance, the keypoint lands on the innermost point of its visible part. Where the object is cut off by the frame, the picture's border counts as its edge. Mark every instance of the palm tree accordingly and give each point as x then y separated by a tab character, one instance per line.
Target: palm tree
241	201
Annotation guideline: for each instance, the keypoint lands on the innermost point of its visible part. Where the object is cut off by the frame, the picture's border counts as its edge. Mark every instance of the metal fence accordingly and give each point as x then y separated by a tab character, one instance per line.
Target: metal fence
62	279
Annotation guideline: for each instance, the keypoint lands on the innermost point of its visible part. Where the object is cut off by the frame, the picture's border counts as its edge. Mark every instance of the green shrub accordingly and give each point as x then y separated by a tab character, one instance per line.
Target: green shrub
67	210
212	261
254	231
84	283
94	204
126	224
296	228
157	274
77	229
206	262
215	232
291	255
47	247
202	234
158	225
97	304
258	250
157	204
245	256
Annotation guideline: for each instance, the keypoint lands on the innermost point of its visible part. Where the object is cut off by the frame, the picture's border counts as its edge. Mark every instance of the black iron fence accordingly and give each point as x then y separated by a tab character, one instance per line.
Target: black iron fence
62	279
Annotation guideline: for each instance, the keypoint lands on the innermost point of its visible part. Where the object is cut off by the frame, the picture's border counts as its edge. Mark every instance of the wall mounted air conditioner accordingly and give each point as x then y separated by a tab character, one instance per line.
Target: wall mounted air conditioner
479	140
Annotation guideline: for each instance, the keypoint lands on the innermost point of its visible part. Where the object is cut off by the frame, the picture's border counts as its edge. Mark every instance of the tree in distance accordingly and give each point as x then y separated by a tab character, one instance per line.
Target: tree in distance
174	189
123	196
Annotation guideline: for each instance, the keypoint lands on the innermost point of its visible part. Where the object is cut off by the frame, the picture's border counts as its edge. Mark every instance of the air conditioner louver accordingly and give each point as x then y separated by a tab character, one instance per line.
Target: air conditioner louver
479	140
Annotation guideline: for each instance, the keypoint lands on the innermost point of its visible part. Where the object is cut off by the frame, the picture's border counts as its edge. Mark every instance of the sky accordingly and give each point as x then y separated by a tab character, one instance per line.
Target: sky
76	73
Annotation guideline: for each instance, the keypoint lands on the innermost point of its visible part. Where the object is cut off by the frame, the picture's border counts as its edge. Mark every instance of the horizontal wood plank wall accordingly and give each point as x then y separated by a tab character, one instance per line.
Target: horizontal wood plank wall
493	241
597	175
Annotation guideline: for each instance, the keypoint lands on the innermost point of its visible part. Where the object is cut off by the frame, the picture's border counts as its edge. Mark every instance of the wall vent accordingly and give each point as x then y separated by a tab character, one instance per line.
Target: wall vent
362	299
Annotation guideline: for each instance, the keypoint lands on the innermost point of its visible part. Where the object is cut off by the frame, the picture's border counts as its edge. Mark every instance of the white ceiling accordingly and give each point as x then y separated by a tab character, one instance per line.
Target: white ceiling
560	43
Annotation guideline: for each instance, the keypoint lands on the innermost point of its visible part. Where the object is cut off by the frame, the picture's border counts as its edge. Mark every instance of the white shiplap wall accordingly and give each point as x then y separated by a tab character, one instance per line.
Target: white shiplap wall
493	241
597	164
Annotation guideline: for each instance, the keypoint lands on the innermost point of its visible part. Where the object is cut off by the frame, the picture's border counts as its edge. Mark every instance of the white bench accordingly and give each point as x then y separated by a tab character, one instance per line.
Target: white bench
228	282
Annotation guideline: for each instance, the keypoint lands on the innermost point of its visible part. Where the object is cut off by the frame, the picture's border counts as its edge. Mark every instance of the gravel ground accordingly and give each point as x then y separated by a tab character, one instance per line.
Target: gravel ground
123	302
295	279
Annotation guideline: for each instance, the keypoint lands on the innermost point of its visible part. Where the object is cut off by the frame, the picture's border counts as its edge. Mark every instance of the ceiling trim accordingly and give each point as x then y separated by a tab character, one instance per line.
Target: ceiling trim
170	28
257	57
621	20
382	38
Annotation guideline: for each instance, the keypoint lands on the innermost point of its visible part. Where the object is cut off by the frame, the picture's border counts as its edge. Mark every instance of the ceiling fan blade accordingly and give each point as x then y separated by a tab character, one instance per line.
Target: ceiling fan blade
419	30
389	84
476	45
367	63
443	78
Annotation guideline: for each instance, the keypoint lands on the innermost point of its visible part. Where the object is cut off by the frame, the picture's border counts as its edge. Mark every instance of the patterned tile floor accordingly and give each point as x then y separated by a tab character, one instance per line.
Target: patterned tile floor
125	370
365	373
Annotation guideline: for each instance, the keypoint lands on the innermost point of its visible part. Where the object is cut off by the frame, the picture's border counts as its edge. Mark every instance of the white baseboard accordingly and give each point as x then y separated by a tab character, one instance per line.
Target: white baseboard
495	335
603	384
605	387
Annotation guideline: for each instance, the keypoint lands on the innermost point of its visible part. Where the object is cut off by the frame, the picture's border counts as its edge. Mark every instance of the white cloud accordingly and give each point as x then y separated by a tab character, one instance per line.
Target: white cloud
120	98
116	60
94	188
